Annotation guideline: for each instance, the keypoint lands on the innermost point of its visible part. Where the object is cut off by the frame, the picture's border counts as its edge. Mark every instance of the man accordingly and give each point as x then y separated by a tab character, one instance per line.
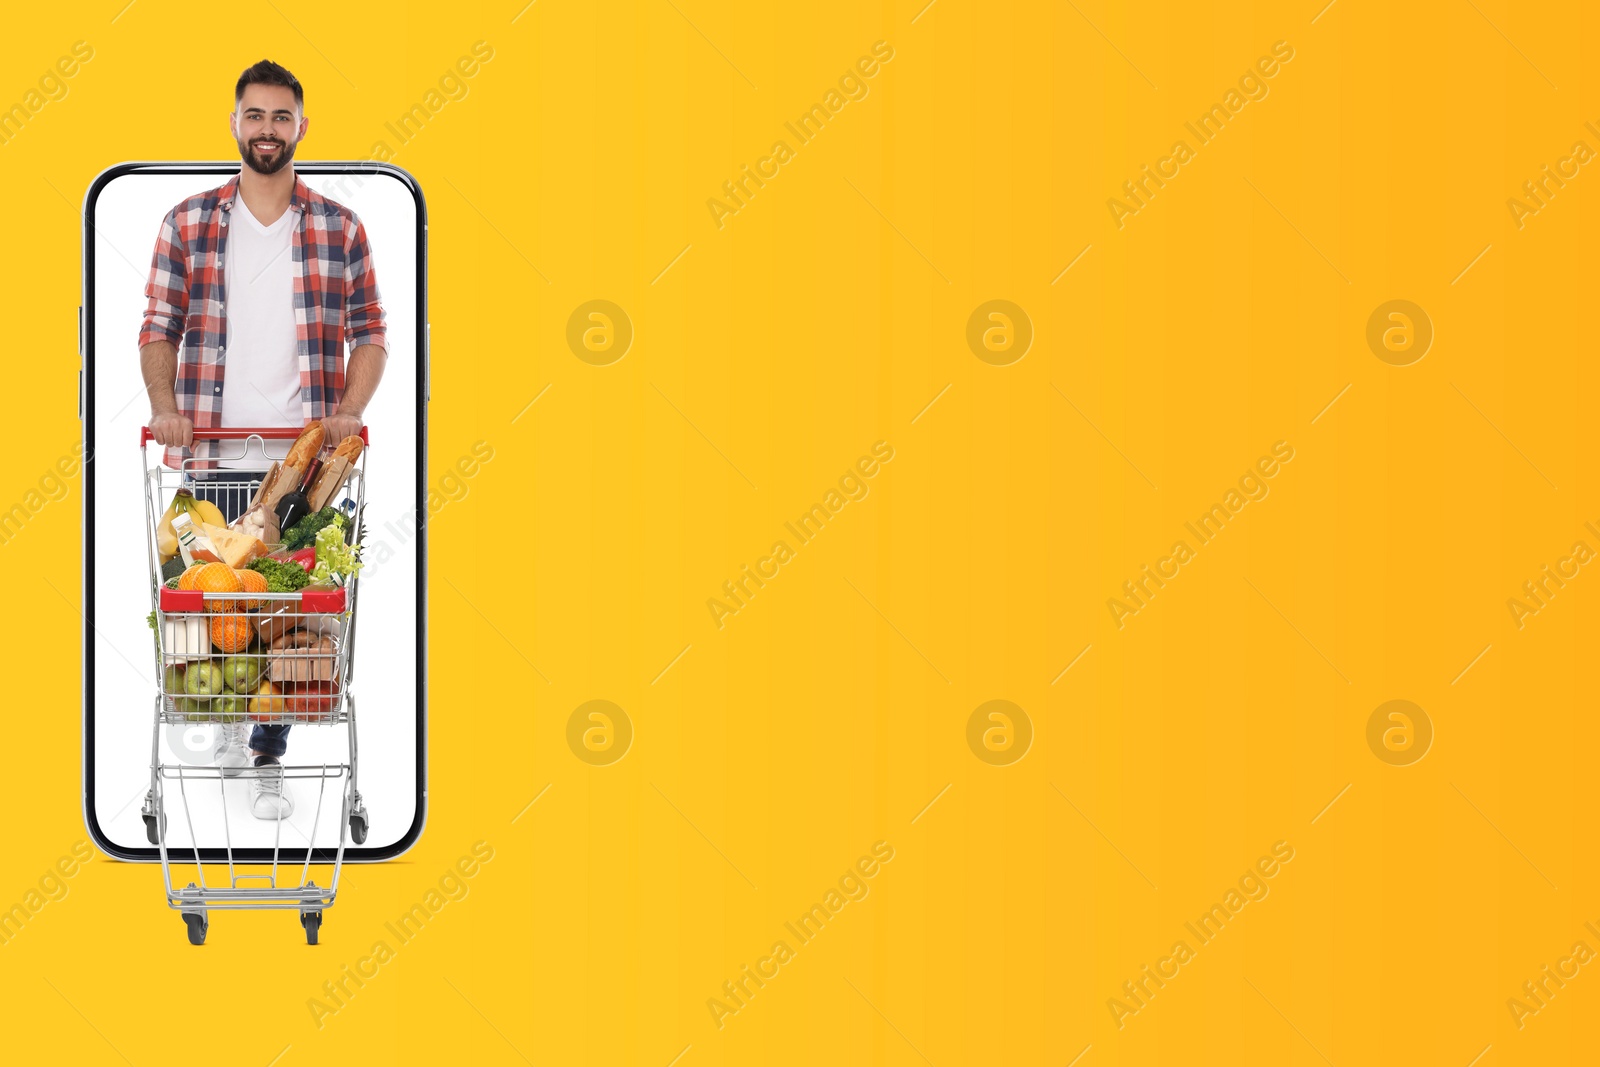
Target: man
262	282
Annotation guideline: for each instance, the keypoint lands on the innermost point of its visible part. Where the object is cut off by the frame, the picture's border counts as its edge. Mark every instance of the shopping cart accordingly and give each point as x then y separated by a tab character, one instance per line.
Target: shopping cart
228	660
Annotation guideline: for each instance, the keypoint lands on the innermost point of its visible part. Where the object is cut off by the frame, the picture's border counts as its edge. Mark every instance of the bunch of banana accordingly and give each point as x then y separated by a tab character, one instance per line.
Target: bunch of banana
183	501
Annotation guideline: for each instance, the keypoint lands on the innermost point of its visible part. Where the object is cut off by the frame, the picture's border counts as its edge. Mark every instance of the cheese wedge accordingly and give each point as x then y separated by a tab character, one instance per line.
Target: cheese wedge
232	547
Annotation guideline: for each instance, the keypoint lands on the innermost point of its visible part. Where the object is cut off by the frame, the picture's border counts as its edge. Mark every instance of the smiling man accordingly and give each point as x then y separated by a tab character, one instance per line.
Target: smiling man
262	283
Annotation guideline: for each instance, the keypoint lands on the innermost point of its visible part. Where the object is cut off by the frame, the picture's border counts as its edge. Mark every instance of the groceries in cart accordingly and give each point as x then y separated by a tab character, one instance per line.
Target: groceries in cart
259	635
291	505
243	655
301	485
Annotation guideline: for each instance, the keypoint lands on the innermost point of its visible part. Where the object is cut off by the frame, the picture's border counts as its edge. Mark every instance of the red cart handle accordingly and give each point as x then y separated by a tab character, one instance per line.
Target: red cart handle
239	433
311	601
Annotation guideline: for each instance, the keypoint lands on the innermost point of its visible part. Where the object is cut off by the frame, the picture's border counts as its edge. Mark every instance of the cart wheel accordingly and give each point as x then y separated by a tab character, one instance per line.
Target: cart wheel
312	921
150	828
197	923
358	827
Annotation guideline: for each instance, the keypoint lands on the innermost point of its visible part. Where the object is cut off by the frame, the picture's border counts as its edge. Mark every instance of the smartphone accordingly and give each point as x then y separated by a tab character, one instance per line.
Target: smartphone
122	672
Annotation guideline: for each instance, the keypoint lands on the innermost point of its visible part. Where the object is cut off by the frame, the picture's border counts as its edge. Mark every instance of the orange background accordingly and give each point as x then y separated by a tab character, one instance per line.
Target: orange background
1231	312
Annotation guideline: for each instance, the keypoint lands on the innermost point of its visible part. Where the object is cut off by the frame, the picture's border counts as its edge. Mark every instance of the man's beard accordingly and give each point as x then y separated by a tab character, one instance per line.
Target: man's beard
271	165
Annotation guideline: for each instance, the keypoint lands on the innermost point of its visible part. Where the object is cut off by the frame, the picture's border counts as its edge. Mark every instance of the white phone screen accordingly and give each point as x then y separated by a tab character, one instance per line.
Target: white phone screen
123	215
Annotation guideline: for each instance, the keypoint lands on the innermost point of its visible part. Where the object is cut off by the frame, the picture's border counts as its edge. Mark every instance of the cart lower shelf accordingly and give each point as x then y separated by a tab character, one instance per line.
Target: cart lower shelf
282	888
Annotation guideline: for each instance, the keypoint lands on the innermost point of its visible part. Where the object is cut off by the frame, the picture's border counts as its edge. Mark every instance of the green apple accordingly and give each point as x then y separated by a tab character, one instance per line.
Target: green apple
241	674
193	707
203	679
172	678
230	708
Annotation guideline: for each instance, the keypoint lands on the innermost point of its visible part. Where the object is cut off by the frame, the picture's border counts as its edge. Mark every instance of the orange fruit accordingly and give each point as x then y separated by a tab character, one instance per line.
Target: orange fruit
231	633
219	578
186	579
254	582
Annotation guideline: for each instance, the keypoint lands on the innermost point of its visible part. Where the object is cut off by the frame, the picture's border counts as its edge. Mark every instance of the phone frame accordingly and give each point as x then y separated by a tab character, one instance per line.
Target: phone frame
86	409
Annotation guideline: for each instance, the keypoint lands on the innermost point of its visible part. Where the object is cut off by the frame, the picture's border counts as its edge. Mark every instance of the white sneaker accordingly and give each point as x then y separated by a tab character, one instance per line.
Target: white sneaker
268	798
231	756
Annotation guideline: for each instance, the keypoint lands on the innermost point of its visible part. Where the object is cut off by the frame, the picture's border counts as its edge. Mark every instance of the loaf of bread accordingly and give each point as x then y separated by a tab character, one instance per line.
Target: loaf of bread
306	447
349	449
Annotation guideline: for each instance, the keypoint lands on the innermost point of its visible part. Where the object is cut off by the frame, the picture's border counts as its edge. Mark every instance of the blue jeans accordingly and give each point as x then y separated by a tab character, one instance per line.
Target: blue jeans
231	501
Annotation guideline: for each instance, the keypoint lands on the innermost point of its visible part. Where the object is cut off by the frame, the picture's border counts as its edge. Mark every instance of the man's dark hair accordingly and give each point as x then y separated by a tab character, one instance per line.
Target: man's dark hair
267	72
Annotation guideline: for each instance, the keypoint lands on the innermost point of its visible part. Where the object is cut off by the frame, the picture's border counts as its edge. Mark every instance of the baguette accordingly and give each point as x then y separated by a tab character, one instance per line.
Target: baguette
265	484
329	482
305	447
349	449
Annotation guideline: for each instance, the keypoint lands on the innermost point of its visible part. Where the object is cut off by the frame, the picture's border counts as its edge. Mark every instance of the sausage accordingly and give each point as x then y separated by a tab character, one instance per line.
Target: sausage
301	656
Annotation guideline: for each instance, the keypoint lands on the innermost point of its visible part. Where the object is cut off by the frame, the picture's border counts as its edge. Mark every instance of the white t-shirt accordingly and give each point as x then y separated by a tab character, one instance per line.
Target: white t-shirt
261	385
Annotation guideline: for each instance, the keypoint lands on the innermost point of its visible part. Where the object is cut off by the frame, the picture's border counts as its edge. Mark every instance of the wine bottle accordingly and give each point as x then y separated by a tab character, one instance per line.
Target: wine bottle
294	506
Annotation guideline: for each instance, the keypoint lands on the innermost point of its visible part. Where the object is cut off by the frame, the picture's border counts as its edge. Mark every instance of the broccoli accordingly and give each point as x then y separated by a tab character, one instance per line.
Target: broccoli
304	532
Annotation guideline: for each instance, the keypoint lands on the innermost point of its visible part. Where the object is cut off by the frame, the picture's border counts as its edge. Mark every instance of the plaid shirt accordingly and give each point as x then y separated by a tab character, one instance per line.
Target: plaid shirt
335	301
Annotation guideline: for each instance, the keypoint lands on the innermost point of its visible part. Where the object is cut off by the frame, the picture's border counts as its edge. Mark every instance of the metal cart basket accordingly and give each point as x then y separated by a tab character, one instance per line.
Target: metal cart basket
229	659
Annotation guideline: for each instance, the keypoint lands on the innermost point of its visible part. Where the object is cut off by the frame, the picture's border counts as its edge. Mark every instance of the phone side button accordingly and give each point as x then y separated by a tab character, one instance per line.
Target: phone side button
427	363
